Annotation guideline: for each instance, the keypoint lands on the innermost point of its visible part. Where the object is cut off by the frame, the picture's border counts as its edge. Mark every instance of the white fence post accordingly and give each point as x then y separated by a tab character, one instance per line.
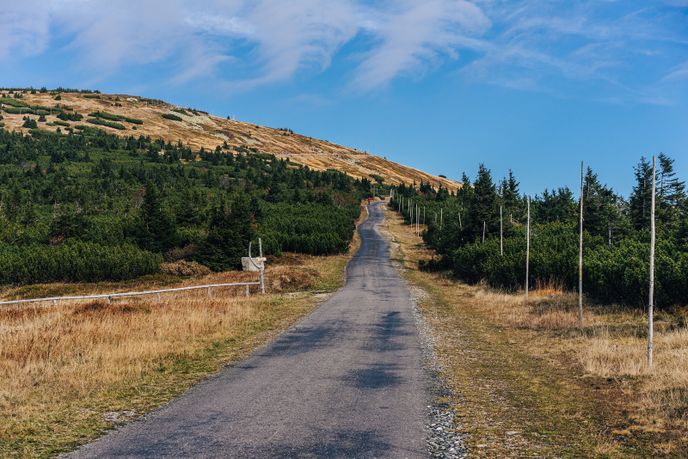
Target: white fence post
527	248
580	255
651	300
262	267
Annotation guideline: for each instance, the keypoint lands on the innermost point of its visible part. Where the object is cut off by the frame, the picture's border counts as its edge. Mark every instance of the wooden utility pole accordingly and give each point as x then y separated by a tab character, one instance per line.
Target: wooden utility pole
501	233
650	306
527	248
580	254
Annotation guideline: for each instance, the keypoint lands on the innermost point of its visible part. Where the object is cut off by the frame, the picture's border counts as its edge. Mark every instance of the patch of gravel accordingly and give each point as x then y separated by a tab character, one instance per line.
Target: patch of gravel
119	417
444	440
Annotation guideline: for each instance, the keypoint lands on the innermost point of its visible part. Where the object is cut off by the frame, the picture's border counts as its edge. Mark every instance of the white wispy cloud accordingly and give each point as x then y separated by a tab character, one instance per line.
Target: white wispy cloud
24	28
679	72
411	35
249	43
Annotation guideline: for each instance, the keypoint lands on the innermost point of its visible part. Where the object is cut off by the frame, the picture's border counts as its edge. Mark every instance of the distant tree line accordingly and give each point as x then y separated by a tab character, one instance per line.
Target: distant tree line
616	234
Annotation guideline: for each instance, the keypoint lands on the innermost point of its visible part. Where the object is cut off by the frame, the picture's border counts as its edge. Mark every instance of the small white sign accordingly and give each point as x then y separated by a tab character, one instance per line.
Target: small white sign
246	264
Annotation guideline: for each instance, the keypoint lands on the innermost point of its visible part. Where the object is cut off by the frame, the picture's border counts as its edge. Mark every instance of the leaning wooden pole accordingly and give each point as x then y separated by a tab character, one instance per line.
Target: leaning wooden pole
527	248
580	254
651	301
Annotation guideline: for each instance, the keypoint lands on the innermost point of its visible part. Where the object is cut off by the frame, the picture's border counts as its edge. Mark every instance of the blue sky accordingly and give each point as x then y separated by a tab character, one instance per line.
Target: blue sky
442	85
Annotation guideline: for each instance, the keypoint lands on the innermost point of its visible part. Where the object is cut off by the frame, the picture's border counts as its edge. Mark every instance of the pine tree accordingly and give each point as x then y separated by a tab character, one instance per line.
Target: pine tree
639	203
511	198
557	205
671	193
157	229
602	208
229	234
484	202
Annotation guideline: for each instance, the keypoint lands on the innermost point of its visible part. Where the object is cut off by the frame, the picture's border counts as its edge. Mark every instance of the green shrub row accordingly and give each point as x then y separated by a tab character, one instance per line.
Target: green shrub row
616	274
74	261
171	116
13	102
65	116
113	117
110	124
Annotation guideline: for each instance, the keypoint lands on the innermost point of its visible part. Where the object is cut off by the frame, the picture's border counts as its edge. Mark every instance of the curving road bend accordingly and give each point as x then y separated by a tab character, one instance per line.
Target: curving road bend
345	381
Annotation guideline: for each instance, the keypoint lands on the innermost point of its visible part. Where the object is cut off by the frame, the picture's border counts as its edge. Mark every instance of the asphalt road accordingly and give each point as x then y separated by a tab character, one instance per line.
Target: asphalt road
345	381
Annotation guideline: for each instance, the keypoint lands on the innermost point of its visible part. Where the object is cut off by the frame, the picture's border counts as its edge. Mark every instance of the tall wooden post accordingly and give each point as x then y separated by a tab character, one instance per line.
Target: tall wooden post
580	254
501	233
417	219
651	301
262	266
484	227
528	249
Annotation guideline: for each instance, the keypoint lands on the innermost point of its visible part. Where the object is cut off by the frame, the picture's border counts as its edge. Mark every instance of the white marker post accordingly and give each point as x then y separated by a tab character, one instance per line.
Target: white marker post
650	306
527	248
580	255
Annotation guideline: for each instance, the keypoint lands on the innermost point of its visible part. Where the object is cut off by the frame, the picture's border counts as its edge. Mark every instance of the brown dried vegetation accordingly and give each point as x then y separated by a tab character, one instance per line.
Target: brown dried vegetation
71	370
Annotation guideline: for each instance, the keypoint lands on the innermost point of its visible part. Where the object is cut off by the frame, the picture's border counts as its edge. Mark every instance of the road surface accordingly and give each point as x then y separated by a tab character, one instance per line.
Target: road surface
345	381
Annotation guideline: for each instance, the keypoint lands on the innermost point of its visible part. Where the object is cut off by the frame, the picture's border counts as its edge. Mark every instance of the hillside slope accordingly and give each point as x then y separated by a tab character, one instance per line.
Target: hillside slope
199	129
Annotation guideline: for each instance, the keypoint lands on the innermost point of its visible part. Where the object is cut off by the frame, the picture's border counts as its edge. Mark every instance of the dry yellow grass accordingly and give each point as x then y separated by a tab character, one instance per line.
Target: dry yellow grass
530	382
69	371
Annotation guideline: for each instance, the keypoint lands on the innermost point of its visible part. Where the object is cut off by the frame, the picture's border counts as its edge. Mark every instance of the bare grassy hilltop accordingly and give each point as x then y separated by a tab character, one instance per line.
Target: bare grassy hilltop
126	115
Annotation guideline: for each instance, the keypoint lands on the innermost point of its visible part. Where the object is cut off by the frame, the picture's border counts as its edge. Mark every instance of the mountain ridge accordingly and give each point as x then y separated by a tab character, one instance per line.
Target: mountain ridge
198	129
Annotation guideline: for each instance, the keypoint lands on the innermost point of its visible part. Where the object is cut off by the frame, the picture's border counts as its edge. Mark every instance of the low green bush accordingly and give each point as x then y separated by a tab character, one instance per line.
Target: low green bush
171	116
113	117
66	116
74	261
110	124
13	102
